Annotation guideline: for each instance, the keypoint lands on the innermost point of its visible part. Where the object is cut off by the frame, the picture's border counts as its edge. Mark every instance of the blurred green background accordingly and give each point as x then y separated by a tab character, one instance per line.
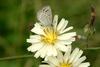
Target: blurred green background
17	17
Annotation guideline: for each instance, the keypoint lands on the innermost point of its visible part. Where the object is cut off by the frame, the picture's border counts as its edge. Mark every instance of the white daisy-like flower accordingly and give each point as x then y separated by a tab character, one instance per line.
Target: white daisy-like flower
50	37
68	59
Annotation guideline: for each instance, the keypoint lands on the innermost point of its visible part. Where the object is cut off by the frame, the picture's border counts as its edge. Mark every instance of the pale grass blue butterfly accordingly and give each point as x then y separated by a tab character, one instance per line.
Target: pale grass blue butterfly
45	16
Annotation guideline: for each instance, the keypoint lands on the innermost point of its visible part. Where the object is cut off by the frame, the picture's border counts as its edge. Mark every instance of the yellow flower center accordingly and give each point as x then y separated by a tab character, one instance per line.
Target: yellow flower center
65	65
50	36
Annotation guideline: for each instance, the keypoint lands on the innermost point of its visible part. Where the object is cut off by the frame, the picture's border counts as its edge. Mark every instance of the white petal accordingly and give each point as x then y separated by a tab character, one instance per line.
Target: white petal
73	55
61	24
80	61
42	52
53	60
52	65
37	54
86	64
67	54
71	39
38	29
46	51
64	24
54	51
78	56
67	42
55	21
67	36
60	56
35	47
51	51
34	39
67	29
44	66
61	46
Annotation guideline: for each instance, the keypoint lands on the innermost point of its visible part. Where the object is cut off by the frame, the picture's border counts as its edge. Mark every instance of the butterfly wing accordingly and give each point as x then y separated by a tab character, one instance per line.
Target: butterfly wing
45	16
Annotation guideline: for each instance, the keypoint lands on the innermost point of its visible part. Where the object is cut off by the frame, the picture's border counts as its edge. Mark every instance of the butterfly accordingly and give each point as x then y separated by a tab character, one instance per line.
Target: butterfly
45	16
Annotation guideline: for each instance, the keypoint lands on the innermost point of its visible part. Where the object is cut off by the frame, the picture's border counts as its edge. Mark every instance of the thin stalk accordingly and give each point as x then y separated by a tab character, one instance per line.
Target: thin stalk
16	57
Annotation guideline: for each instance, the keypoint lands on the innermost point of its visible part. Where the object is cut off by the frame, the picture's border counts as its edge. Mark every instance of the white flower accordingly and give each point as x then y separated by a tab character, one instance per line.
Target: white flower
48	39
69	59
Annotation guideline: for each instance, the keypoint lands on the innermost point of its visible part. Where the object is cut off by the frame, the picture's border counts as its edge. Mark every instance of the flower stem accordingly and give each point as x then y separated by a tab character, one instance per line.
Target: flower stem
16	57
94	48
